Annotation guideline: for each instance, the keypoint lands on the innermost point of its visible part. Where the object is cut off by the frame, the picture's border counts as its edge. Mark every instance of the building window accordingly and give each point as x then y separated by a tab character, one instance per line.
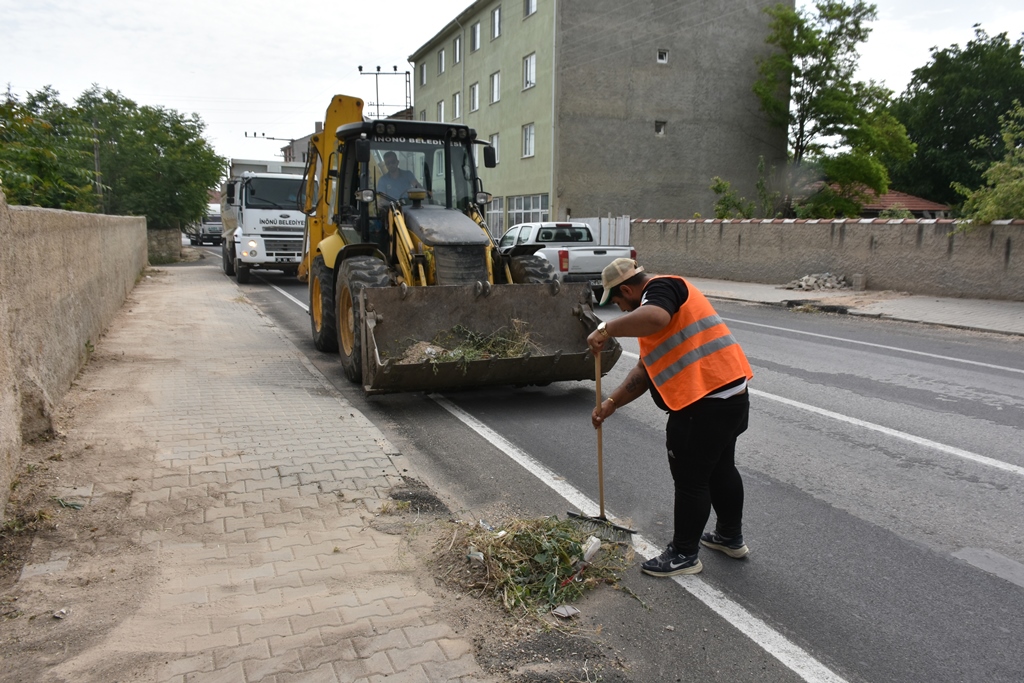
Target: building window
474	37
529	71
496	22
528	140
440	61
497	150
423	73
495	86
659	128
456	106
457	50
423	114
529	7
527	209
495	216
440	111
662	56
474	97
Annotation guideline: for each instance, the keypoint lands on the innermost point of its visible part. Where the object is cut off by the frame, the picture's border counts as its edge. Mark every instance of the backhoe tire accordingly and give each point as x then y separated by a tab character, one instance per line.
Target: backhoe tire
227	261
353	275
531	269
322	312
242	273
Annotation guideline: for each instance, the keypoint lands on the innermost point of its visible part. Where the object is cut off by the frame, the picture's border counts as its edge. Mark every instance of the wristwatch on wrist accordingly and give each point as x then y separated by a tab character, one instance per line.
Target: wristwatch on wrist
602	327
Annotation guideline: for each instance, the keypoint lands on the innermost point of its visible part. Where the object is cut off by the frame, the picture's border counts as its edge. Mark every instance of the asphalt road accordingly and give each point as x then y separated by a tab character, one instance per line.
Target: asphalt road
884	481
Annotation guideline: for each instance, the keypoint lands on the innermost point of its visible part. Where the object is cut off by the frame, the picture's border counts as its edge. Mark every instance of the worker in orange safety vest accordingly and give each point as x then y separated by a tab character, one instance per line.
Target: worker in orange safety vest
697	372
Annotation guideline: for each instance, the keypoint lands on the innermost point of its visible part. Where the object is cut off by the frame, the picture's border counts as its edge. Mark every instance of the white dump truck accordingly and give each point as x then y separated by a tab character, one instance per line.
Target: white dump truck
208	229
263	226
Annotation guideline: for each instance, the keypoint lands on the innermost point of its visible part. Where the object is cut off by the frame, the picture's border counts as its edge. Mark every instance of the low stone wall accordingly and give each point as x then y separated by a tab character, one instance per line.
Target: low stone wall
63	277
164	246
916	256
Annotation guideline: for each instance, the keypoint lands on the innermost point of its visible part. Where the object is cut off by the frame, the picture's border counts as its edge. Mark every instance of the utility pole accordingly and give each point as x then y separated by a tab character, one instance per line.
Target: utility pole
376	77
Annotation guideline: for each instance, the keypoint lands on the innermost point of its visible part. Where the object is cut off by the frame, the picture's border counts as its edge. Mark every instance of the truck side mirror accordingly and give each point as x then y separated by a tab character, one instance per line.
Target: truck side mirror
490	160
362	151
231	193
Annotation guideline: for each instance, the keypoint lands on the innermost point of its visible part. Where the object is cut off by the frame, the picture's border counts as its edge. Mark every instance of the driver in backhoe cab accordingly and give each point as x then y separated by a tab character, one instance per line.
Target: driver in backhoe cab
397	181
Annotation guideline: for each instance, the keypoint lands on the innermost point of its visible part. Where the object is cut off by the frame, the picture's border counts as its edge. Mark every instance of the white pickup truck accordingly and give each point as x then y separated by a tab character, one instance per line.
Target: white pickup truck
570	247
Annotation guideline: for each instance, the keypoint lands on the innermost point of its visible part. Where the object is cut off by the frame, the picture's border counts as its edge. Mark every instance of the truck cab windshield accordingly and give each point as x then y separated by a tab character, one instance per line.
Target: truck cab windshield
401	165
272	193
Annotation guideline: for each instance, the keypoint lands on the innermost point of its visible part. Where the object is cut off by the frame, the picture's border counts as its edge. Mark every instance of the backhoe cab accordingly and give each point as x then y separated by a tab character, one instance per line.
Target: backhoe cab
397	255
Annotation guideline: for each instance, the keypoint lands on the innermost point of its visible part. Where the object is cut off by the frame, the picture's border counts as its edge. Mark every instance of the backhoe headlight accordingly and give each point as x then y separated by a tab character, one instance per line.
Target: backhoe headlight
366	196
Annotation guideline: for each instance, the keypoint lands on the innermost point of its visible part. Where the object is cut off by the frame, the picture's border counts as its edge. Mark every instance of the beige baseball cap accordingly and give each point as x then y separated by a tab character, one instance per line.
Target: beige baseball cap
615	273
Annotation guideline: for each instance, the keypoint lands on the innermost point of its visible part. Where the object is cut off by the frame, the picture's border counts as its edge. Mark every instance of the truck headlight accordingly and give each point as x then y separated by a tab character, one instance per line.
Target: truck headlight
252	243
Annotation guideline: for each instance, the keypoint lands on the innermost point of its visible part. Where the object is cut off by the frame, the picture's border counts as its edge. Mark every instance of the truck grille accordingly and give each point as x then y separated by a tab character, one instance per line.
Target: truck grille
460	265
288	246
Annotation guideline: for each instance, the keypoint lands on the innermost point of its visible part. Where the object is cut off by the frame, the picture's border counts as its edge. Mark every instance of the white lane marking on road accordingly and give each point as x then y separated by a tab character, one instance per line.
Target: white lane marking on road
920	441
878	346
992	562
770	640
289	296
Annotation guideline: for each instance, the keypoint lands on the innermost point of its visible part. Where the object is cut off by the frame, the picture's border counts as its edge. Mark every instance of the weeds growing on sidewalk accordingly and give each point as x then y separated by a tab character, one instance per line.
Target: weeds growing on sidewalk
530	565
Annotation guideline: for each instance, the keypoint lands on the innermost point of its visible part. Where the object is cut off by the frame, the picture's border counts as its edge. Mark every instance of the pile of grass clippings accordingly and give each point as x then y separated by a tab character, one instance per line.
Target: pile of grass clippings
461	344
529	565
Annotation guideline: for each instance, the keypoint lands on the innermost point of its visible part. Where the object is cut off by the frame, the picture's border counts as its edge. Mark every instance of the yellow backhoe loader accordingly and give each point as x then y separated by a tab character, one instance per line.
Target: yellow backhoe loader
402	269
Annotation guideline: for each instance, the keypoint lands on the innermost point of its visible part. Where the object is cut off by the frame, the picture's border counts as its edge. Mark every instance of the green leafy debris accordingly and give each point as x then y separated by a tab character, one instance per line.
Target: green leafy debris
529	565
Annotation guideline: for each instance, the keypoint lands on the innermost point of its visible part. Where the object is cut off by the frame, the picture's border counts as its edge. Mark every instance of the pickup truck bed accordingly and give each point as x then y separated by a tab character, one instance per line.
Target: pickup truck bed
570	247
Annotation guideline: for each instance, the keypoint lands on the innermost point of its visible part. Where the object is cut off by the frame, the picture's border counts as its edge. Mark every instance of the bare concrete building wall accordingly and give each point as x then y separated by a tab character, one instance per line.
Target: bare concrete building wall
654	99
920	257
63	277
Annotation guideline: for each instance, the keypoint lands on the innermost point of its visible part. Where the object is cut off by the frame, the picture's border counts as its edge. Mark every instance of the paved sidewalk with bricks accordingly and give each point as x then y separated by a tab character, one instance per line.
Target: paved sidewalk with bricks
260	486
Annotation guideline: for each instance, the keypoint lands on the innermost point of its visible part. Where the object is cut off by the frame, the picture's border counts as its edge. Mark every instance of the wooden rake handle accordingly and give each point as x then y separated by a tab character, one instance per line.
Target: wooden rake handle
600	448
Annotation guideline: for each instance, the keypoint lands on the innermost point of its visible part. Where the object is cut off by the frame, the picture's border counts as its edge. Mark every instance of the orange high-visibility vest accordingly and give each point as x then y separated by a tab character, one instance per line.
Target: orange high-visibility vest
694	354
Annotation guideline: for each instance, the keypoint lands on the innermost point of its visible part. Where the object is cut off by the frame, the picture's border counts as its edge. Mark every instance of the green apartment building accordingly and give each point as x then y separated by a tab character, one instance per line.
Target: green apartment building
596	107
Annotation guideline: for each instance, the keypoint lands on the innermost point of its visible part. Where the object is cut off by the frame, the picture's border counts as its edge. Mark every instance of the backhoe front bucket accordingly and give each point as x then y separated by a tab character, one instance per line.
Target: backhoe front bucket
404	324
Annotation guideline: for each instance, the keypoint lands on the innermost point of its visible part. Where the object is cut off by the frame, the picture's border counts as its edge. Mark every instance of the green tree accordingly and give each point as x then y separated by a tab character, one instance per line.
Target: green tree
1003	193
153	161
728	205
839	129
44	153
951	103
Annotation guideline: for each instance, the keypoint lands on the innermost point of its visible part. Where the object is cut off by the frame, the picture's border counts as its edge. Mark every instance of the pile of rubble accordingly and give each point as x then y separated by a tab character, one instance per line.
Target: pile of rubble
819	281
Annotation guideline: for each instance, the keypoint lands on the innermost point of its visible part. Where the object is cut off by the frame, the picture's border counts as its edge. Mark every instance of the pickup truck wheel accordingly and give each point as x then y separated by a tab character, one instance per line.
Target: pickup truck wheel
227	261
531	269
242	273
353	275
322	314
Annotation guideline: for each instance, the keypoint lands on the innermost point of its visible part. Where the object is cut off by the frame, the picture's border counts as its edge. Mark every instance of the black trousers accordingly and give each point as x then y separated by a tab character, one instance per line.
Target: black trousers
701	442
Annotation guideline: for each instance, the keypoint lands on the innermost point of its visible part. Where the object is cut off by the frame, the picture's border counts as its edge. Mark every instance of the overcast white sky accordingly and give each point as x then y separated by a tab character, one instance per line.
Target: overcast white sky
271	67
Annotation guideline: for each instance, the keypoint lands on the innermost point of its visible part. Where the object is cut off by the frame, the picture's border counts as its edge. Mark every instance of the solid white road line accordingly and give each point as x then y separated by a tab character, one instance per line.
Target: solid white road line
773	642
879	346
291	298
920	441
283	292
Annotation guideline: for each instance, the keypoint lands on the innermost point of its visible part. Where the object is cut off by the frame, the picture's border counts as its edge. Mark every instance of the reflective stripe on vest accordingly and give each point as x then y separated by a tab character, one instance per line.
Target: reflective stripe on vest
705	362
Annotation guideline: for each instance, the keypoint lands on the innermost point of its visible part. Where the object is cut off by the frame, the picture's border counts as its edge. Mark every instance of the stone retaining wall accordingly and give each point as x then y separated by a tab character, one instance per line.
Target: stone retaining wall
63	277
916	256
